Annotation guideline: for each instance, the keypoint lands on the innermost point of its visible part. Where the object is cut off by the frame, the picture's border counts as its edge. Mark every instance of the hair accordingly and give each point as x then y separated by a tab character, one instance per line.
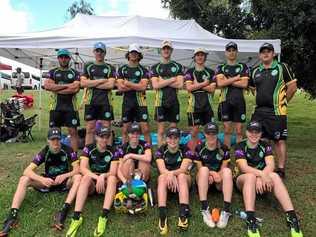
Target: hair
140	56
205	54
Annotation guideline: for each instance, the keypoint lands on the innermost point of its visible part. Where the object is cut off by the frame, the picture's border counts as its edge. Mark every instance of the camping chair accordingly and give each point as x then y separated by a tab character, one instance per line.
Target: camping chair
26	128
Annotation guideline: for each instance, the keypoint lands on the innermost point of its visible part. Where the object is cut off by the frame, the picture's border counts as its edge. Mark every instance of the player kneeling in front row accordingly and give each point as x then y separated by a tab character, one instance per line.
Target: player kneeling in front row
98	167
212	160
174	162
56	158
255	166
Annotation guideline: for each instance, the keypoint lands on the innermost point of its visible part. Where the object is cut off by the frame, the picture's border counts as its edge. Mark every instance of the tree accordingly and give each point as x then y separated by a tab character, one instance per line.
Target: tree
80	7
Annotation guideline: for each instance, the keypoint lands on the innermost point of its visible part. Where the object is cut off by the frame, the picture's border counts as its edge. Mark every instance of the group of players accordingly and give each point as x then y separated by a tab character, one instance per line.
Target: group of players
103	167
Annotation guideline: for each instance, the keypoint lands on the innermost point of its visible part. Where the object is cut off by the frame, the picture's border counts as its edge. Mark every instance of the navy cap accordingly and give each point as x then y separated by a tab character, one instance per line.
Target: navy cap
254	126
173	132
54	133
63	52
103	131
134	127
211	128
231	45
266	46
99	45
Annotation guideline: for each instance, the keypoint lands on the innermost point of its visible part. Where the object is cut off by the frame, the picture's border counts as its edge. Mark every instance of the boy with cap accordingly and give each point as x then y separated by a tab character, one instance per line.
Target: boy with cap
167	79
99	168
275	85
63	82
200	85
174	162
132	80
232	77
255	175
134	155
212	159
98	79
57	159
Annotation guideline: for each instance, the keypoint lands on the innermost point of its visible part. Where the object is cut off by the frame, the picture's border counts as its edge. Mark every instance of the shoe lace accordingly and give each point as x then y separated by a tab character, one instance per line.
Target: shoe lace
252	225
294	223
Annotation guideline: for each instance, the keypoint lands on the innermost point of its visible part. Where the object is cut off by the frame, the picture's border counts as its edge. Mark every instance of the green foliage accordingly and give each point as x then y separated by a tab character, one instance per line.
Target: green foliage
80	7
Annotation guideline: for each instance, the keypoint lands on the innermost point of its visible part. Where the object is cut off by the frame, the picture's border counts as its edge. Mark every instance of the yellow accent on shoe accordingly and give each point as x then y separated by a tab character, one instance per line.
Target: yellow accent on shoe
183	224
99	231
74	226
296	234
163	230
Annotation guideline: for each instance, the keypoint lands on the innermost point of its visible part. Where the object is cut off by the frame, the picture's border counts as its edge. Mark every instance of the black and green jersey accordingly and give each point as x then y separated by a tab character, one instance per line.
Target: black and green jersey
60	102
271	85
232	93
199	100
99	162
173	160
212	159
166	96
96	96
56	163
134	75
255	157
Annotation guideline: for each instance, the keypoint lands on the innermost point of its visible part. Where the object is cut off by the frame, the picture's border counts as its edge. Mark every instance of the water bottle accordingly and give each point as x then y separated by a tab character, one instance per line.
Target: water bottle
241	214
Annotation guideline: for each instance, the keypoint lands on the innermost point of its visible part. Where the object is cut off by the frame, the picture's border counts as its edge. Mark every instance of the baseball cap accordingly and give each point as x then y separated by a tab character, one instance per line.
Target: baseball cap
63	52
134	127
99	45
200	50
211	128
54	133
173	132
134	47
254	126
103	131
166	43
231	45
266	46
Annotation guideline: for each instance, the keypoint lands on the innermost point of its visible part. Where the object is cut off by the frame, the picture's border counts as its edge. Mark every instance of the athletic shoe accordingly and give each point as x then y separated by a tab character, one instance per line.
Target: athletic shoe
8	224
223	219
74	226
59	220
163	229
207	218
183	223
293	223
252	228
99	231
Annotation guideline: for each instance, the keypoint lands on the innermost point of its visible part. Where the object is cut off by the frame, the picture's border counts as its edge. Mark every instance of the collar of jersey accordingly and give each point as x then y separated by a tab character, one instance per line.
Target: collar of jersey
62	69
273	65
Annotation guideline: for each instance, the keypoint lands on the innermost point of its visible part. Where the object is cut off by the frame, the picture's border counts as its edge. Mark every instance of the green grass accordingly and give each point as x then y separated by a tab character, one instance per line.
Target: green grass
38	209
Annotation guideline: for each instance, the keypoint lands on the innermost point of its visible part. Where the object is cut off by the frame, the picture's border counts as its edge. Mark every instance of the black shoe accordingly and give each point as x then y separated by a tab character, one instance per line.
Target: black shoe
281	173
59	220
9	223
252	227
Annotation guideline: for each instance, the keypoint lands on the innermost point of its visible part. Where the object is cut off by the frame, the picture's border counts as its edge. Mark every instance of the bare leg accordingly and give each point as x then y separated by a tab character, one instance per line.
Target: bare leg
146	131
184	182
203	183
74	138
128	168
109	192
227	133
239	134
124	132
194	137
75	182
162	190
86	184
280	150
227	184
160	132
90	131
247	183
145	168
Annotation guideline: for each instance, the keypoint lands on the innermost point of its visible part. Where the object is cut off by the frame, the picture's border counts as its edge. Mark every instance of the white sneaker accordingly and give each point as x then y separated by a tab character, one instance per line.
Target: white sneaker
207	218
223	219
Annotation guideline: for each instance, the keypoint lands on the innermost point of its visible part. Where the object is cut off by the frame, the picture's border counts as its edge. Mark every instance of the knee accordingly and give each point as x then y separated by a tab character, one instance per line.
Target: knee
77	179
85	180
203	172
227	173
91	129
112	180
24	180
250	178
182	179
275	177
162	179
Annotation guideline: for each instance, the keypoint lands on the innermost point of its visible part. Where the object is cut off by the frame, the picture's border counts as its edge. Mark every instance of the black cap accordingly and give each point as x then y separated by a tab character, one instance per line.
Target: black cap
211	128
231	45
134	127
266	46
54	133
103	131
173	132
254	126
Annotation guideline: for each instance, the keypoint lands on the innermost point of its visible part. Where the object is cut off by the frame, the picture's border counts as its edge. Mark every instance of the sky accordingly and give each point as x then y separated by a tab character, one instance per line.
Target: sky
35	15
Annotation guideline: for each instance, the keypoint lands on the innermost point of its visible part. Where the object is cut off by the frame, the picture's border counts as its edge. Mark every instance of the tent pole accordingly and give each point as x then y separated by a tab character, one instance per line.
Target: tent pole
40	95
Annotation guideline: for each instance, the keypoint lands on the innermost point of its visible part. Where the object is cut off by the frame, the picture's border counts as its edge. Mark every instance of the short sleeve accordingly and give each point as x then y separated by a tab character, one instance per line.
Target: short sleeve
245	71
72	155
51	74
154	71
189	154
120	74
118	154
212	78
219	70
251	82
268	150
147	146
146	74
288	75
85	70
159	153
226	155
85	151
239	152
40	157
180	70
77	75
197	156
188	76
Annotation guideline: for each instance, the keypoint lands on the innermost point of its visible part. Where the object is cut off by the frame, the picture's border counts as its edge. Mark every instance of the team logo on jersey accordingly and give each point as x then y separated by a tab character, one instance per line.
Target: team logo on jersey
179	159
226	70
74	121
173	69
204	157
274	72
105	70
177	117
70	76
107	114
219	157
243	117
144	116
237	70
140	151
204	77
137	73
63	158
261	154
277	135
258	75
107	158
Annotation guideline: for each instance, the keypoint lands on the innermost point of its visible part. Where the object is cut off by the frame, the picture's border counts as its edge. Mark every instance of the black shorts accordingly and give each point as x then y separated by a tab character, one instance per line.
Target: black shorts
200	118
170	114
64	119
274	126
134	113
234	112
98	112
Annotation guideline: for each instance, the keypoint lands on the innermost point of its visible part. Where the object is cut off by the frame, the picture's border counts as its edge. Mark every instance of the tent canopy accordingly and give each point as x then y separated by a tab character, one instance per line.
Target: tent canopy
117	32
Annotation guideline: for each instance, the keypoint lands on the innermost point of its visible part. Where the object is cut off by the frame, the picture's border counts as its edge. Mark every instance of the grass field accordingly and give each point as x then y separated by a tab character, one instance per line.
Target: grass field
37	210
